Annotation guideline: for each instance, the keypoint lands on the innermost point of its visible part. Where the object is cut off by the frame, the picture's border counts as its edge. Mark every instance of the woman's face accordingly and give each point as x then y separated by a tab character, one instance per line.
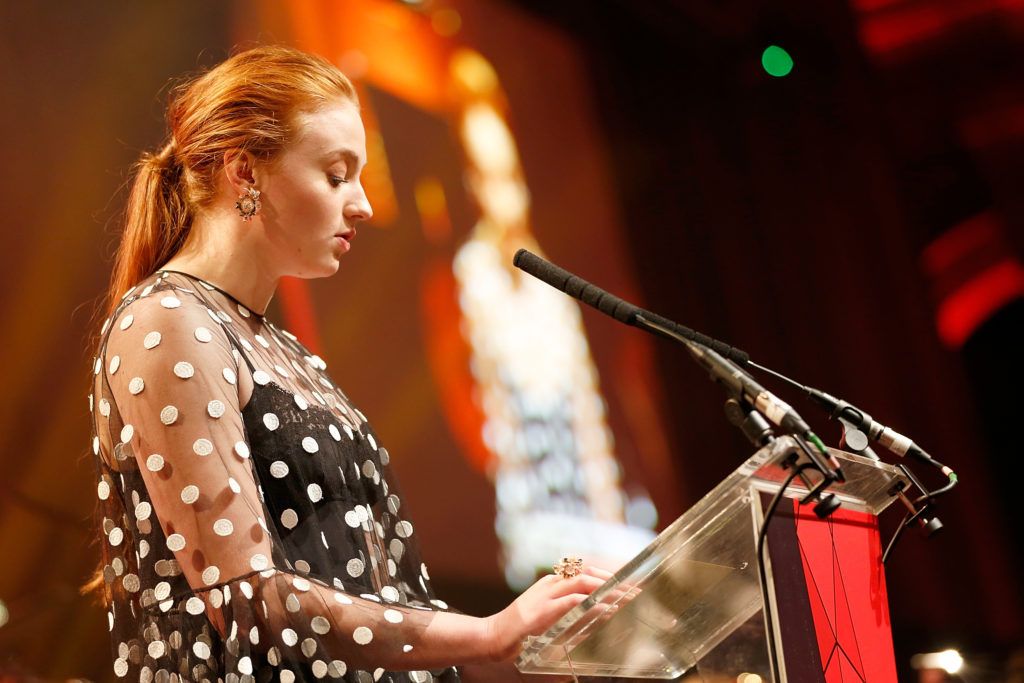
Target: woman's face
311	195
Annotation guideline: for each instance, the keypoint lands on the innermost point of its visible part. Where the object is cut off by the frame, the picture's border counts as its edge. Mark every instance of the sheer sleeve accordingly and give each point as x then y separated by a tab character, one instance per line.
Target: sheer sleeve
173	375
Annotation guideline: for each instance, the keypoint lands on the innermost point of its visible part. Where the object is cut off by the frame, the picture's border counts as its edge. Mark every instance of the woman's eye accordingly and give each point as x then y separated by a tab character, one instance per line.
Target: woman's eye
337	180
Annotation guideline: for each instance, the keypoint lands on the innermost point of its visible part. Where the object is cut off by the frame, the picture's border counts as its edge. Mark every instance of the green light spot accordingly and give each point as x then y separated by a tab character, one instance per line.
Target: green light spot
776	61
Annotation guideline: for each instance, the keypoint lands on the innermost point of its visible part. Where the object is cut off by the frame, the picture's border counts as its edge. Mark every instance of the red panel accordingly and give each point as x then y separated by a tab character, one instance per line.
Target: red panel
842	565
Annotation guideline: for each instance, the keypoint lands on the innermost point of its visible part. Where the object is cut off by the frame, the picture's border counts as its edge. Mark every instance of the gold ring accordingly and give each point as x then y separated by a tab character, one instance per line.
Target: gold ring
569	567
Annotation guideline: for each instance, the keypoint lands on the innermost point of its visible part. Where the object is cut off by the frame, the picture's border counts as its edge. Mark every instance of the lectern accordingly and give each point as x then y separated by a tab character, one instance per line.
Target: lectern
690	606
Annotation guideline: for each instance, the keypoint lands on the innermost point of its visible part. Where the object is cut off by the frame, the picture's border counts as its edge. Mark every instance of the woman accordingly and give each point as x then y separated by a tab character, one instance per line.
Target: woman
253	528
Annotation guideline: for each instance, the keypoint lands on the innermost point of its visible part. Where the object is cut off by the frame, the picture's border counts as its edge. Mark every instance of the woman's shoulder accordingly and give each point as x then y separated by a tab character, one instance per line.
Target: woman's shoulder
161	310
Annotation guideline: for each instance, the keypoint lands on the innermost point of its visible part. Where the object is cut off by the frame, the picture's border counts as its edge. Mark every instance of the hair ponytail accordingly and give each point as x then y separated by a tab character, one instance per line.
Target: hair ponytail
157	220
248	101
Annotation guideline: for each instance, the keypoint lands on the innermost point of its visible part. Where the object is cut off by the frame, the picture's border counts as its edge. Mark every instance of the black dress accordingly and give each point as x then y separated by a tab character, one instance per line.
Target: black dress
264	542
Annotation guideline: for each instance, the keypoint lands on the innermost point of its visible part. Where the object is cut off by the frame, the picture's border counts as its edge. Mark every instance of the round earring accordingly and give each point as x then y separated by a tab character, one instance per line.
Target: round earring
248	203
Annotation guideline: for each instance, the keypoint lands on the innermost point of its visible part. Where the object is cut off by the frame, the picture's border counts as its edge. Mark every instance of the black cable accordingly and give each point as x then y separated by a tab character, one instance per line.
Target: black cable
896	535
761	536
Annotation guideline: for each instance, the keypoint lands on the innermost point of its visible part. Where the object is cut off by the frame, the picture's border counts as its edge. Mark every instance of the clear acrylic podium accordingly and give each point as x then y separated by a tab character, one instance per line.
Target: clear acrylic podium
689	606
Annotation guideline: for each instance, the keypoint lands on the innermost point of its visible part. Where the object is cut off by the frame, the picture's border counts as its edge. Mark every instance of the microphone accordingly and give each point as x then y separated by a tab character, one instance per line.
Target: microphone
876	431
745	387
621	310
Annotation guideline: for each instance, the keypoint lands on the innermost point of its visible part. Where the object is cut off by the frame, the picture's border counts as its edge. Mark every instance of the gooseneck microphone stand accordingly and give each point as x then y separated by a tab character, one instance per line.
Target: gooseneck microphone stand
749	404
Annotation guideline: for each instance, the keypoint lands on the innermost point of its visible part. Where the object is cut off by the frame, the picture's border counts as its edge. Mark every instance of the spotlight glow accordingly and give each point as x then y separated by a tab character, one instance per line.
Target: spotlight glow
949	661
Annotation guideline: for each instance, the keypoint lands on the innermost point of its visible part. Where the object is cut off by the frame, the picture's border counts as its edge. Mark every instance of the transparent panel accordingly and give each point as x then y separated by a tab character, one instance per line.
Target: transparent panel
690	603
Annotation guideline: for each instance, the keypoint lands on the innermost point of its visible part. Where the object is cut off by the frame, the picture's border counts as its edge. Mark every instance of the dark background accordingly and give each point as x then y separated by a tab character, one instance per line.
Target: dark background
788	216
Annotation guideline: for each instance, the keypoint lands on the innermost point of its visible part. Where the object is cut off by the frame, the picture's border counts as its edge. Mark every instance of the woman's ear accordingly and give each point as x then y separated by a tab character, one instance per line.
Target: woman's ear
238	169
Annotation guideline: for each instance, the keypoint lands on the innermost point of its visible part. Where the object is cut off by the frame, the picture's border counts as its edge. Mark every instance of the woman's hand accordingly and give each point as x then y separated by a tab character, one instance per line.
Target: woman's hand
540	606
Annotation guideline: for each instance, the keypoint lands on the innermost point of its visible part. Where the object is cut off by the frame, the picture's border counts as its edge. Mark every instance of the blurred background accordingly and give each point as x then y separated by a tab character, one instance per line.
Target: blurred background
832	186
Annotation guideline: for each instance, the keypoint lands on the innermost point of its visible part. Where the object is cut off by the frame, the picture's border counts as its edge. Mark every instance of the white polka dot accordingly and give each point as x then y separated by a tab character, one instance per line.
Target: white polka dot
204	335
300	583
319	668
175	542
335	434
120	667
127	321
169	415
390	593
245	666
393	615
184	369
136	386
116	536
260	377
320	625
301	402
270	421
202	447
310	445
127	432
234	485
156	649
262	342
170	302
229	376
115	363
281	371
373	443
242	449
369	469
152	340
355	567
103	490
143	510
243	311
162	590
201	650
314	492
342	599
362	635
309	647
289	519
104	407
337	668
407	648
403	529
215	408
352	519
223	527
210	575
287	676
423	570
195	606
289	637
279	469
190	494
259	562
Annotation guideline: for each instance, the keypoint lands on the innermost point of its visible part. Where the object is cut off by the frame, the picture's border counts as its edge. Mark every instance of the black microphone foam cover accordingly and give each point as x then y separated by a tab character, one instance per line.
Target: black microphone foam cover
574	286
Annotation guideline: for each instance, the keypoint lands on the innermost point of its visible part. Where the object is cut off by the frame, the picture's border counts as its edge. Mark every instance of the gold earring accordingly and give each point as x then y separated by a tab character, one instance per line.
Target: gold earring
248	203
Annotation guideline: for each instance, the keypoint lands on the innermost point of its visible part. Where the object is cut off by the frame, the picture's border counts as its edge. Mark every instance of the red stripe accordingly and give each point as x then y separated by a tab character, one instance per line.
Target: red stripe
966	308
959	242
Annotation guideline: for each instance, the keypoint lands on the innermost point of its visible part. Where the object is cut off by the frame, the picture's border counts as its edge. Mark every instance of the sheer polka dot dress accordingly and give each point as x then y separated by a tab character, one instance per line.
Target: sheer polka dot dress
252	528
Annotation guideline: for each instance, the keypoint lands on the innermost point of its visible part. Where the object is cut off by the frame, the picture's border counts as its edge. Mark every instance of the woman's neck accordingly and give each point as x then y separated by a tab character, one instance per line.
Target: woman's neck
222	253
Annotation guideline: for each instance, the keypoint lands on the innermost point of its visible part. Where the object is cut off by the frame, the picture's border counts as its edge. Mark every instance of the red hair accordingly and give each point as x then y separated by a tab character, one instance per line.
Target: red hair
247	102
